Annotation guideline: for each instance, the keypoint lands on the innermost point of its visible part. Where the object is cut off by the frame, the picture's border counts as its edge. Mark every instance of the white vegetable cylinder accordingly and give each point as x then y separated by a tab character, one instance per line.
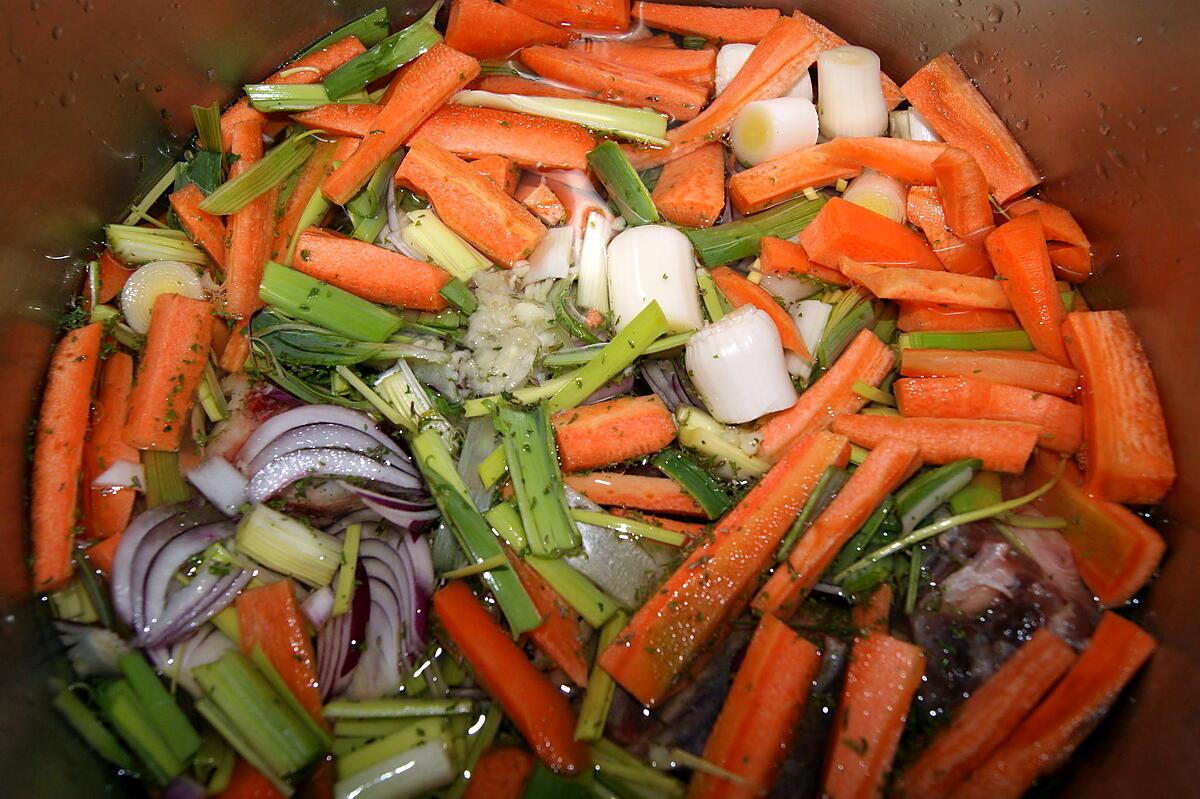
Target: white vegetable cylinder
731	58
737	365
653	262
145	285
850	95
918	127
591	291
767	129
879	193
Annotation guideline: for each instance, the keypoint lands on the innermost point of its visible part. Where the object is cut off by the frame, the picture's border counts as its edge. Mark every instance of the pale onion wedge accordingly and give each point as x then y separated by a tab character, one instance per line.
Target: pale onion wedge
149	281
653	262
850	96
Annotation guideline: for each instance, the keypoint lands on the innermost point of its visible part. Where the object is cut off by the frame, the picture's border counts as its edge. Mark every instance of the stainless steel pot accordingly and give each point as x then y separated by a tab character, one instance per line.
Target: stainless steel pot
1102	93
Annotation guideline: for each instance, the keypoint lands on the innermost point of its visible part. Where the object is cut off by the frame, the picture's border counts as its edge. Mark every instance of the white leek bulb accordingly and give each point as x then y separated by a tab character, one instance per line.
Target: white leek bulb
850	96
592	289
879	193
731	58
151	280
767	129
909	124
811	317
552	257
737	366
653	262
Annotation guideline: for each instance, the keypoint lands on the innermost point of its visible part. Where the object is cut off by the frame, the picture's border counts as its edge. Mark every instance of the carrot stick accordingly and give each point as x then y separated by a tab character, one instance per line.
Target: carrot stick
484	29
881	679
1115	551
1052	732
867	359
691	190
740	291
757	724
205	229
842	229
690	529
784	258
592	15
722	25
541	200
919	316
510	84
888	465
924	209
373	273
246	782
782	178
906	161
270	619
1061	422
106	511
500	773
874	614
170	370
113	275
1018	252
250	233
560	634
307	185
661	494
983	722
963	189
416	92
1002	446
102	553
829	40
470	204
1025	369
925	285
1070	250
692	66
609	432
534	142
341	119
58	454
945	96
688	612
537	708
777	62
612	82
1126	448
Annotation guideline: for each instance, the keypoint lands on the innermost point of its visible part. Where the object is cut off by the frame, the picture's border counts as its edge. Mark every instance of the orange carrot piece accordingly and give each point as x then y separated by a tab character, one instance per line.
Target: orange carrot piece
612	431
102	553
889	464
657	40
1126	448
560	635
906	161
307	185
205	229
416	92
591	15
688	612
269	618
113	275
106	511
784	258
829	40
484	29
963	189
690	529
691	190
612	82
693	66
373	273
1070	250
1025	369
537	708
740	291
511	84
874	614
867	359
1018	252
987	717
341	119
1002	446
1050	734
250	233
170	370
722	25
925	285
945	96
920	316
500	773
533	142
787	176
842	229
1061	422
1115	551
924	209
470	204
246	782
661	494
757	723
58	454
541	200
502	172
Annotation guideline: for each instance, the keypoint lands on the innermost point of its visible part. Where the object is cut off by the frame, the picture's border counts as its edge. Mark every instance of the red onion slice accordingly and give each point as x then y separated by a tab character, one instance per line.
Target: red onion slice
122	569
167	562
198	611
610	390
413	516
338	436
220	483
276	426
281	472
666	378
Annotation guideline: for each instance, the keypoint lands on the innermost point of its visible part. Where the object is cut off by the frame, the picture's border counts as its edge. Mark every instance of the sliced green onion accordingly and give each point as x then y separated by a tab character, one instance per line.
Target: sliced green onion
128	716
141	245
925	493
733	241
170	722
483	406
385	57
208	127
869	392
700	432
91	730
981	491
457	294
492	468
164	481
629	526
289	546
282	160
593	713
824	492
344	592
715	305
428	234
698	483
635	124
577	356
370	29
292	97
395	708
625	187
991	340
300	296
138	210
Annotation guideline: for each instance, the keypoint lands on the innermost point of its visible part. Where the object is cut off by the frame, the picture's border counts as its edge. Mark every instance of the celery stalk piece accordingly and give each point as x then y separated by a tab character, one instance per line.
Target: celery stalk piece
395	708
869	392
476	568
858	454
614	764
715	305
457	294
370	29
695	480
282	160
316	209
171	722
240	743
97	593
138	210
992	340
625	187
272	676
577	356
140	245
300	296
915	565
72	602
367	209
164	480
625	348
593	713
428	234
924	494
97	736
629	526
128	716
344	592
493	467
479	739
736	240
482	406
287	545
700	432
415	772
208	127
384	57
635	124
294	97
405	735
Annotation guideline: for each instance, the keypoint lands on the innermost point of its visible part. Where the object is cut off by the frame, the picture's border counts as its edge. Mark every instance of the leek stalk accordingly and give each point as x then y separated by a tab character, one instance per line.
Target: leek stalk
635	124
344	592
395	707
736	240
128	716
289	546
164	481
482	406
593	713
457	294
991	340
824	492
166	717
300	296
577	356
493	467
714	304
629	526
292	97
281	161
208	127
697	482
428	234
92	730
370	29
385	57
141	245
625	187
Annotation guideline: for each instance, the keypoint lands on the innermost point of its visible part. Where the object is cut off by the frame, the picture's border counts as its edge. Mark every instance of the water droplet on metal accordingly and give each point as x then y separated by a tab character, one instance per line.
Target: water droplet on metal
1021	124
57	31
995	14
977	57
1105	129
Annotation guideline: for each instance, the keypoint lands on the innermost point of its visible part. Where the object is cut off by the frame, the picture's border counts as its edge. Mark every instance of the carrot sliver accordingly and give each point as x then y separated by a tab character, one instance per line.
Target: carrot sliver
921	316
830	40
982	723
656	494
251	230
757	723
787	176
106	511
502	172
1126	448
889	464
1070	250
612	431
1050	734
537	708
924	209
867	359
534	142
592	15
1002	446
928	286
724	25
881	679
906	161
102	553
691	190
693	66
58	454
341	119
1025	369
509	84
1018	252
484	29
842	229
783	258
560	634
542	202
500	773
740	291
113	274
307	185
205	229
689	611
964	193
246	782
874	614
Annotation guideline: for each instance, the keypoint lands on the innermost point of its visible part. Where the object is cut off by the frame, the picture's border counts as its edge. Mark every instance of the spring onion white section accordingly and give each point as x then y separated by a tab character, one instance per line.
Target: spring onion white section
850	96
552	257
592	288
737	365
648	263
731	58
148	282
789	289
767	129
879	193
